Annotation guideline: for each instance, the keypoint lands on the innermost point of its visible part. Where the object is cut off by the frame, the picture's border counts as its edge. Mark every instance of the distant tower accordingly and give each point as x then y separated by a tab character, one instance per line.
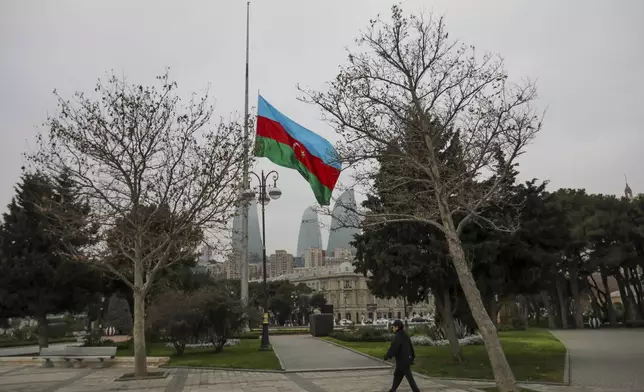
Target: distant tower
254	236
628	192
310	235
344	220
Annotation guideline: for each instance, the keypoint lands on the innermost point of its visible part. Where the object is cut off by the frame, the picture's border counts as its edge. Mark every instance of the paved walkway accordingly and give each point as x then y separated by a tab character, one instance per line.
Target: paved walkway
304	352
605	358
37	379
32	379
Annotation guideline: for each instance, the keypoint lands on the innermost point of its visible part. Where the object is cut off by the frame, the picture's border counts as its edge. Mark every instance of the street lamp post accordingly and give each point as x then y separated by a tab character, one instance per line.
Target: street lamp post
264	197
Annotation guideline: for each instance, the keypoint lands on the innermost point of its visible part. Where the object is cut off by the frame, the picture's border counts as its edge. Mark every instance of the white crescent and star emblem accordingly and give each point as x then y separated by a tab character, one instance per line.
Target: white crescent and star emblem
302	153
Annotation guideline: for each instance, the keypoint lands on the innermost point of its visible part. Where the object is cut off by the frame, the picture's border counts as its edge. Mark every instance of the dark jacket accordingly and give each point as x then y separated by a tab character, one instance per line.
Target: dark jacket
401	349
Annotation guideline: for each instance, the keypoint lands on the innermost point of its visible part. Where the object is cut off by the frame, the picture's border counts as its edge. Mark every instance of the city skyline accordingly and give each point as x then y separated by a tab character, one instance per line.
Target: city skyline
310	233
576	149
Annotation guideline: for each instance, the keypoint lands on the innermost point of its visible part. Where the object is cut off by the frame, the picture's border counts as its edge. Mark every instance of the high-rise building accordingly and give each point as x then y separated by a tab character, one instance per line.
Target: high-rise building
206	253
254	236
313	258
340	255
298	262
344	253
255	271
280	263
310	235
217	270
344	222
233	265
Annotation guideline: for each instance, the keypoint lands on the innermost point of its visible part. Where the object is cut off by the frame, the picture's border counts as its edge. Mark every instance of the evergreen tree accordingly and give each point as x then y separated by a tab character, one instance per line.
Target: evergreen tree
37	277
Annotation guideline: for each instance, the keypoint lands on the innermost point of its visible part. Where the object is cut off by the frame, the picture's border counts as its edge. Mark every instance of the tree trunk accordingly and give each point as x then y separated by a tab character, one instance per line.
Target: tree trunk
503	375
626	300
444	305
576	295
563	306
545	296
636	283
631	294
43	331
138	330
610	309
493	311
597	309
536	308
138	333
522	310
179	347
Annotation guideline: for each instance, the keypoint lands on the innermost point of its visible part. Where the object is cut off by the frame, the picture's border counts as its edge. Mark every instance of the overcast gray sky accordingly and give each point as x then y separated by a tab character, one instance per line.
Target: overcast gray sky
588	58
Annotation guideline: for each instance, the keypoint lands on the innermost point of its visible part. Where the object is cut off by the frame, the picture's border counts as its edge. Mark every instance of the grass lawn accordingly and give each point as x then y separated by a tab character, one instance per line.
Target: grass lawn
534	355
245	355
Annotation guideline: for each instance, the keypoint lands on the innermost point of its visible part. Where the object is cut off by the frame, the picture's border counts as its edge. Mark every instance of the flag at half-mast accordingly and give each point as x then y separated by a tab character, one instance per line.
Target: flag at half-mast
288	144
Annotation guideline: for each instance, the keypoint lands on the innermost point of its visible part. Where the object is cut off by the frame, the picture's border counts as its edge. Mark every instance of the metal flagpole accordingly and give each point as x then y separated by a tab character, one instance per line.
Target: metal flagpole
246	180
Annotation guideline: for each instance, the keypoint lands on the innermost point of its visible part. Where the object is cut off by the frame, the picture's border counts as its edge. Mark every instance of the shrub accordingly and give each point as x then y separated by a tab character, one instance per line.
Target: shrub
363	335
224	316
126	345
205	315
434	332
118	315
177	316
25	333
94	338
58	330
427	341
229	343
274	332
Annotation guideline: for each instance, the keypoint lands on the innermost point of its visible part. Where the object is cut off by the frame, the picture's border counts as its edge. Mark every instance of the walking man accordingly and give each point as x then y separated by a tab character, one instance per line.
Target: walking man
403	351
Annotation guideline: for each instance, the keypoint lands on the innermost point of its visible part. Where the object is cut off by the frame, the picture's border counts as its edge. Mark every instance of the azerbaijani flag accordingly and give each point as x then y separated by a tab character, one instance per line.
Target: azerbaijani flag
288	144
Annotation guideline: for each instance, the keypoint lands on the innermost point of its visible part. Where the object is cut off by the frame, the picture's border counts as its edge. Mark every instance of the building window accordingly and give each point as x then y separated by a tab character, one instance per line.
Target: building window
348	316
370	315
398	315
348	284
339	316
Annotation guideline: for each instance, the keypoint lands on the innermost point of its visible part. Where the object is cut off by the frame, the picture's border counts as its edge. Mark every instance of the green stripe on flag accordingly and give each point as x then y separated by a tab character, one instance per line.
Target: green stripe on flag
283	155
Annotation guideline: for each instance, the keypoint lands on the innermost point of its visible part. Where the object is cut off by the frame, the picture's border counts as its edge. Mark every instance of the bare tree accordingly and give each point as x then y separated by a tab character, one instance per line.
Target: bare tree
449	119
152	173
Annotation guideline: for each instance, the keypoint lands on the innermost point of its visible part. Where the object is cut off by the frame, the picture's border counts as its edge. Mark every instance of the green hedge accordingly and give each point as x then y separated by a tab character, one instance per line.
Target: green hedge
255	334
363	335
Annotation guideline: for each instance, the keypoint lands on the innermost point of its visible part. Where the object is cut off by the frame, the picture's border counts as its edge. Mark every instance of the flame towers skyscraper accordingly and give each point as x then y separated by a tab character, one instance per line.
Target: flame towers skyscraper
344	222
254	236
310	235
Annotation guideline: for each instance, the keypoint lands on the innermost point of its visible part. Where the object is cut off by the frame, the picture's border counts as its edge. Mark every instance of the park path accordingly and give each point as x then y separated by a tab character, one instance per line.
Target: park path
304	352
605	358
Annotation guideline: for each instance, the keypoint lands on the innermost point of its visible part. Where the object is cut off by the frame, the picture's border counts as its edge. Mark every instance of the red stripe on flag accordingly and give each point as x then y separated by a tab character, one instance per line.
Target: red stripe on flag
327	175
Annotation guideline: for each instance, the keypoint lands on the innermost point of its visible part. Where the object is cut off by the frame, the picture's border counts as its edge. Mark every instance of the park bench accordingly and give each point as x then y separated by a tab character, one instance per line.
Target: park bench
76	355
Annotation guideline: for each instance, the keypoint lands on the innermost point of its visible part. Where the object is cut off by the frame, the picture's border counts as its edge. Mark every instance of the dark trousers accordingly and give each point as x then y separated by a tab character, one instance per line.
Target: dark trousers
405	372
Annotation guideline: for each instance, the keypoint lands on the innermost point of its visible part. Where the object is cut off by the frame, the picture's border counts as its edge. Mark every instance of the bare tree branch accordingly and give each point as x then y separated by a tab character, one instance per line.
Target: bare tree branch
151	171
